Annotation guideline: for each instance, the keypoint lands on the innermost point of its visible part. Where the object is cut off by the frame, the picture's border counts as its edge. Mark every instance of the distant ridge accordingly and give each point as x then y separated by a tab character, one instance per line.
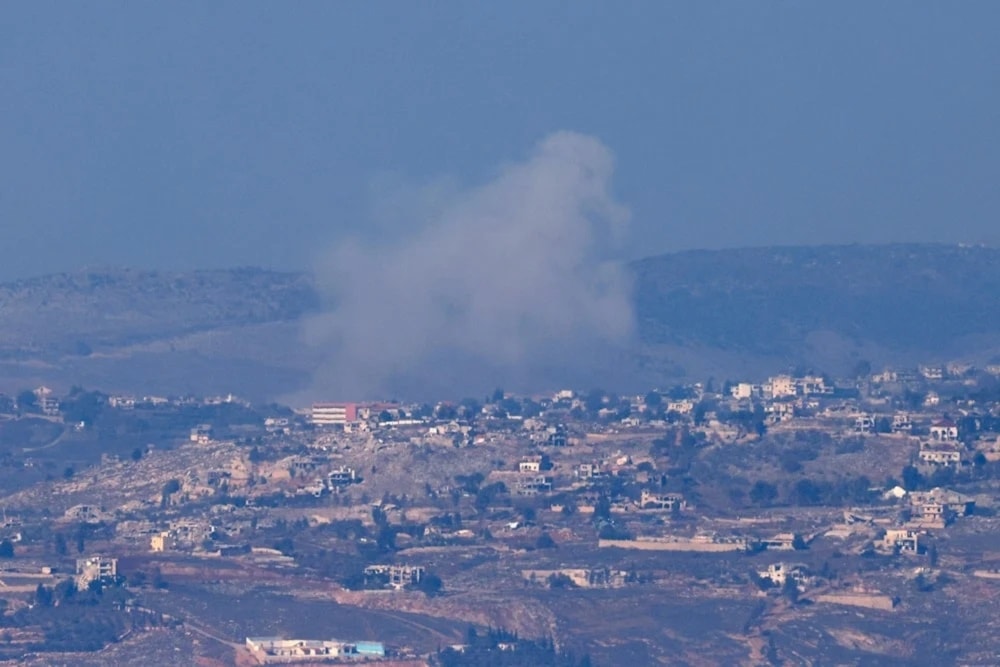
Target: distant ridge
94	309
824	305
721	313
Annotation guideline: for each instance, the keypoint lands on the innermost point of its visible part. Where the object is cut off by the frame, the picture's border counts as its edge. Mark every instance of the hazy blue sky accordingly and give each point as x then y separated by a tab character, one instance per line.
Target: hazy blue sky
209	134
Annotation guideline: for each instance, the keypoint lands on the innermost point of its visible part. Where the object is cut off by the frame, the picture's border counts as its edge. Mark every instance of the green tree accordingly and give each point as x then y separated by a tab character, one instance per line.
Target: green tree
807	492
385	540
64	591
763	493
595	399
84	406
27	401
912	479
471	407
430	585
545	541
602	508
170	488
43	596
285	545
790	589
136	578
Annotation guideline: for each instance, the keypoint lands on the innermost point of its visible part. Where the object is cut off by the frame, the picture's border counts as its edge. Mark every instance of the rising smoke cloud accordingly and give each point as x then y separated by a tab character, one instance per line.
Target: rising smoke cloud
510	283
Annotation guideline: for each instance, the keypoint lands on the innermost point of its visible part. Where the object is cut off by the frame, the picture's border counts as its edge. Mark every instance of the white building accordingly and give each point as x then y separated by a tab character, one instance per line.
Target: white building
944	430
531	464
95	568
907	541
814	384
333	414
779	573
942	455
782	386
682	407
276	650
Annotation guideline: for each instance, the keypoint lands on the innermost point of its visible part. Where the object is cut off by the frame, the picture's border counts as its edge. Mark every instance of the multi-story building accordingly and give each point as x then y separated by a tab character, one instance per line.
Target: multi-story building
333	414
534	485
95	568
940	455
530	464
781	386
944	430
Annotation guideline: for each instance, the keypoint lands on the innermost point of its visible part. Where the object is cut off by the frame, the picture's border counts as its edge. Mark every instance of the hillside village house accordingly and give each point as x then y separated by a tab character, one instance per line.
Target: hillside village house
779	573
953	501
95	568
530	464
944	430
904	540
902	423
781	386
939	455
661	501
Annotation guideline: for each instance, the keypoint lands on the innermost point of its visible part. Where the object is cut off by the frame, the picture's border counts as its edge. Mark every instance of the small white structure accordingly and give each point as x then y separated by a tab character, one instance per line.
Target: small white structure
95	568
905	540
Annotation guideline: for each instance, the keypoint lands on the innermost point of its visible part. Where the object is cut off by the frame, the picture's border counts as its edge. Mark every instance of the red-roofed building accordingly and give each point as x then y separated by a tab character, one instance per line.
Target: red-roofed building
333	414
944	430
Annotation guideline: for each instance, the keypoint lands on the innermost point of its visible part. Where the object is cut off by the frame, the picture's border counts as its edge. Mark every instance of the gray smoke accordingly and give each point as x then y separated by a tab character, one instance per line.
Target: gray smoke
508	284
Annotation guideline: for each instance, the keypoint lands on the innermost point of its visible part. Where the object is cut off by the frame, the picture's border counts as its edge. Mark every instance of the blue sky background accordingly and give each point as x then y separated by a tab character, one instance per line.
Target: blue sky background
195	134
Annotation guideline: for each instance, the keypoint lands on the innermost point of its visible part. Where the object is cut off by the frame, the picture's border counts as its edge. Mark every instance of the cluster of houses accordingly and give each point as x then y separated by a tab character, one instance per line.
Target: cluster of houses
919	410
277	650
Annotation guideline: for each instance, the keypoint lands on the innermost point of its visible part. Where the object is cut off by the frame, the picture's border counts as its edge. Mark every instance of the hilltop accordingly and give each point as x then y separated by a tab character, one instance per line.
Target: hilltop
825	307
724	313
168	331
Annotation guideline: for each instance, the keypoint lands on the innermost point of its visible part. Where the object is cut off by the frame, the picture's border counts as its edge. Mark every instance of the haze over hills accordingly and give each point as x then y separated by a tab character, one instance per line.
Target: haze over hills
155	331
826	307
727	314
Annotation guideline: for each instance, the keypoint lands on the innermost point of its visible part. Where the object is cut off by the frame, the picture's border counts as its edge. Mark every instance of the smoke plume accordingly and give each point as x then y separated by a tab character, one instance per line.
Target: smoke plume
510	283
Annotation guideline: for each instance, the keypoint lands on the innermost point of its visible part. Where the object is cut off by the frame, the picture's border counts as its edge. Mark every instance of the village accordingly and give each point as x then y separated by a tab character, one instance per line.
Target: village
801	493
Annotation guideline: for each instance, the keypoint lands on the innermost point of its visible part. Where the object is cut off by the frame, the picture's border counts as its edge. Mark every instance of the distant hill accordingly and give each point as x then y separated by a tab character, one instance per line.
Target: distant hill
154	331
822	306
90	311
725	313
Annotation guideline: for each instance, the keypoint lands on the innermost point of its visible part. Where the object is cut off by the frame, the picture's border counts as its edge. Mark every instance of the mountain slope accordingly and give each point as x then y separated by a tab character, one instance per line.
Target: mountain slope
906	302
727	314
93	311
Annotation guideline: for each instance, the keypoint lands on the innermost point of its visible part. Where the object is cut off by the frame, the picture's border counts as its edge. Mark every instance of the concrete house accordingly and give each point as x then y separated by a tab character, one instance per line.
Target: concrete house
944	430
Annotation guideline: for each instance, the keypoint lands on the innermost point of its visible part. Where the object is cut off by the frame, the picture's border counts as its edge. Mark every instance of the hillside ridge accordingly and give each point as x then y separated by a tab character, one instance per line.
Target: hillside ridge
699	313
